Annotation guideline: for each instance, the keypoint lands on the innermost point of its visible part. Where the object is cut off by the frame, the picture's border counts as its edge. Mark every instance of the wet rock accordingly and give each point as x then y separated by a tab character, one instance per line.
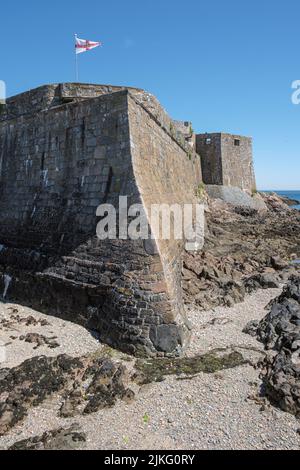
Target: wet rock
59	439
87	384
279	330
40	340
261	281
281	326
251	328
101	386
291	290
278	263
281	379
31	383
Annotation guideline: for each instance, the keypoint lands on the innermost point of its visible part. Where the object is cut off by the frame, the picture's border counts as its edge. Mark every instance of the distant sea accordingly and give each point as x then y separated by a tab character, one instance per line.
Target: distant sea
290	194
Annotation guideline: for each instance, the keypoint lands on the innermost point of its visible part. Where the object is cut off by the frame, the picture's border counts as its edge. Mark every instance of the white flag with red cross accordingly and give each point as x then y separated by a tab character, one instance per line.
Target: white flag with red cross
82	45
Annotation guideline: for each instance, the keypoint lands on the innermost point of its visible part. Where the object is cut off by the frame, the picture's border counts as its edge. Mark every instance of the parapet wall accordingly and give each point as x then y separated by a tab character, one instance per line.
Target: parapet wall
50	96
64	150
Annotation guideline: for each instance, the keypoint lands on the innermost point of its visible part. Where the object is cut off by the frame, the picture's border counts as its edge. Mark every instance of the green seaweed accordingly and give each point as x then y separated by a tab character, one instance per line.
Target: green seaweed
155	369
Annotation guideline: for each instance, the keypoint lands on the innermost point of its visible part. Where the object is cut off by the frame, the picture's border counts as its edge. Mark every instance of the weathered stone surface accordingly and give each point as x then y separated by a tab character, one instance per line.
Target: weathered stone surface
251	328
166	338
64	150
281	327
15	319
275	203
100	387
281	379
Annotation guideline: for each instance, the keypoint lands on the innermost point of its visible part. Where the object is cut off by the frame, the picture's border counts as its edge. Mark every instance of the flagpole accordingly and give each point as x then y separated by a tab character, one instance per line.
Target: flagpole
76	62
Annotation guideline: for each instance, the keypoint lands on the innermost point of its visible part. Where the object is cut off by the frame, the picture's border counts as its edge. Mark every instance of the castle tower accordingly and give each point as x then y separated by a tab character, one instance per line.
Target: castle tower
226	160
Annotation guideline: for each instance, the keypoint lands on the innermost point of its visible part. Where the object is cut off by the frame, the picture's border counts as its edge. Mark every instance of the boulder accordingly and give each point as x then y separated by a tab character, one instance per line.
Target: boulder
279	330
236	197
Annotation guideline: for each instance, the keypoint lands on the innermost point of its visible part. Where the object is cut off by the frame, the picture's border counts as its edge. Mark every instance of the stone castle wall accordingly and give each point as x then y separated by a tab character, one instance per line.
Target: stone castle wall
64	150
168	172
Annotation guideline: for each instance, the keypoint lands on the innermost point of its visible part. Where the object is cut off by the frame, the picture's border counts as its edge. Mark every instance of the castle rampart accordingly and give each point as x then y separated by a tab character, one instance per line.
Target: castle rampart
64	150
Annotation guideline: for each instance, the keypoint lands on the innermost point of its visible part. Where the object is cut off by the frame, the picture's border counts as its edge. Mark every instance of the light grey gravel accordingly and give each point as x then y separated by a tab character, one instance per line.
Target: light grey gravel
209	411
73	339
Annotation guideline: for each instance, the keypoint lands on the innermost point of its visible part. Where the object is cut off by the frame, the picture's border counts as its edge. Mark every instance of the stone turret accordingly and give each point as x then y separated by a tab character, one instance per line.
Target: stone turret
227	160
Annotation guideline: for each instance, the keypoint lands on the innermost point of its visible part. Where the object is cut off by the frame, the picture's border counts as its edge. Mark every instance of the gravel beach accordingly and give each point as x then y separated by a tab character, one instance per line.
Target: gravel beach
208	411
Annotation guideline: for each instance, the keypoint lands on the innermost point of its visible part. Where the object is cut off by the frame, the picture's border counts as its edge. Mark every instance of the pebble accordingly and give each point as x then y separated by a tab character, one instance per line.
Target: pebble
202	413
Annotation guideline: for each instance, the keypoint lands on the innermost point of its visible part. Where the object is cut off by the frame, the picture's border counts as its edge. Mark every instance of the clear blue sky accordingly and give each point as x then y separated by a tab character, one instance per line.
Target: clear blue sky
225	65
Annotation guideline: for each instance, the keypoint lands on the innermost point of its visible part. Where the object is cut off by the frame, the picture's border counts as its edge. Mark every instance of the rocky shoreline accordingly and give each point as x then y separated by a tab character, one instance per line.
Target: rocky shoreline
238	385
289	201
279	331
245	249
213	398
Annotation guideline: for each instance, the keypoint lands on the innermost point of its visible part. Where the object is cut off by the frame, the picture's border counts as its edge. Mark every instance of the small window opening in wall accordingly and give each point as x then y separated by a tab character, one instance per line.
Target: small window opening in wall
237	142
208	141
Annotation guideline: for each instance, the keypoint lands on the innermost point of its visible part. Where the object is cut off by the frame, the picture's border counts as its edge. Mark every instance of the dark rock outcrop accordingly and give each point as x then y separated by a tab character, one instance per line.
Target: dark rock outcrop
58	439
280	331
31	383
87	384
244	251
281	379
100	387
261	281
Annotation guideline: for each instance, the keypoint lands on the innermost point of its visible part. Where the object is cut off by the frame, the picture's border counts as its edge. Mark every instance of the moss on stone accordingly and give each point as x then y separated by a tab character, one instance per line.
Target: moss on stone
200	191
125	292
